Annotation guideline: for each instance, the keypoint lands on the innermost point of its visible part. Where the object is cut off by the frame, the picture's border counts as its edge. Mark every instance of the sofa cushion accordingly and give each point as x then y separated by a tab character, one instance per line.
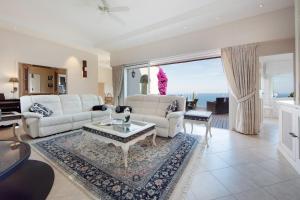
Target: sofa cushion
83	116
88	101
70	104
153	104
40	109
50	101
52	121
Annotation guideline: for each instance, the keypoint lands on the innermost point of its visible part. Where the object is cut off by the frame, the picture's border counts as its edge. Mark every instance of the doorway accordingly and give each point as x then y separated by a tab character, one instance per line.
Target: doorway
276	83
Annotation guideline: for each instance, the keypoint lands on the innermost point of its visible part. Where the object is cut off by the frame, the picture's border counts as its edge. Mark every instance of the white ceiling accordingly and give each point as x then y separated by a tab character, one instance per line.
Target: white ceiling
80	23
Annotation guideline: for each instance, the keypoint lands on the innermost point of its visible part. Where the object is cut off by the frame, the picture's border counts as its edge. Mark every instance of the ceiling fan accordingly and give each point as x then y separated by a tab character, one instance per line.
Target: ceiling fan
105	8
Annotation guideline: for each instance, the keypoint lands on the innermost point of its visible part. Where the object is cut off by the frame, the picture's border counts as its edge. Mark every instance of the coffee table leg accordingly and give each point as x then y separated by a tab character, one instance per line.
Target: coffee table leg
125	152
209	125
16	134
153	139
206	132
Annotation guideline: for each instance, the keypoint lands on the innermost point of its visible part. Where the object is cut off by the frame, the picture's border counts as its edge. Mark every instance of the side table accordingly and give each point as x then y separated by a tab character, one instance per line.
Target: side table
198	117
11	118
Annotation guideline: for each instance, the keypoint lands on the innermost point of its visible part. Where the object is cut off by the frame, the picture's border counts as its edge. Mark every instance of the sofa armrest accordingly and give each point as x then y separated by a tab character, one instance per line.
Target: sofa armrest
175	115
27	115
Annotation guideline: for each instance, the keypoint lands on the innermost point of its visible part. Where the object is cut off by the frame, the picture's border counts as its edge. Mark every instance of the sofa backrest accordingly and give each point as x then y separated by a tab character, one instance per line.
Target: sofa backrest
153	104
50	101
62	104
71	104
89	100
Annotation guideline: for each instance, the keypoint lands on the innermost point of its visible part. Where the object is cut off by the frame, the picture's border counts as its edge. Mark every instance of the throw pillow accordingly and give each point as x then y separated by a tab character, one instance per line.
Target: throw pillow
120	109
173	107
41	109
100	107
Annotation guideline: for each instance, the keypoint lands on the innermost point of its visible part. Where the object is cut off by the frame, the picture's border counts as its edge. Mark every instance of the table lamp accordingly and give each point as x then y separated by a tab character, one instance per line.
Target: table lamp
13	80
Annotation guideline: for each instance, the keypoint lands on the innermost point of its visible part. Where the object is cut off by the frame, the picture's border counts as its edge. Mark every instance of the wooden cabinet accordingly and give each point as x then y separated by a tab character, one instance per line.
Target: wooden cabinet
289	129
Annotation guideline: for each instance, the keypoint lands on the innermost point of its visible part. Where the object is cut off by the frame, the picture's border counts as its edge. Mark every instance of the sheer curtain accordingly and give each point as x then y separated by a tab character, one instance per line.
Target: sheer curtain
241	69
118	74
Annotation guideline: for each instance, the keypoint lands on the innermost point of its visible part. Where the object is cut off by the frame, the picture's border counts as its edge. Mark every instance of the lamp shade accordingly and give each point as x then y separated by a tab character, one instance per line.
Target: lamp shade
13	80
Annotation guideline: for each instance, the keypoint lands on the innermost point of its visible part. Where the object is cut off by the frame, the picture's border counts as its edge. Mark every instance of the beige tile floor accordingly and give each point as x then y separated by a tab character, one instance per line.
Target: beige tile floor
234	167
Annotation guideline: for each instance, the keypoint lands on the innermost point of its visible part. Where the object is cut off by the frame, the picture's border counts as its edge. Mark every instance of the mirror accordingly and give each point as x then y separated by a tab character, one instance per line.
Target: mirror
34	83
38	80
62	84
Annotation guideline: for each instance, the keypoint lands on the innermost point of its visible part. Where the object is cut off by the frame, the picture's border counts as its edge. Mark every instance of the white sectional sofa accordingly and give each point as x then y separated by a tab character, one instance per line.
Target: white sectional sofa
152	108
69	112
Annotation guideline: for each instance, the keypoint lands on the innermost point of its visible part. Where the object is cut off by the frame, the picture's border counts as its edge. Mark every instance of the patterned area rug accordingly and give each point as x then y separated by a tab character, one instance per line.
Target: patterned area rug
152	172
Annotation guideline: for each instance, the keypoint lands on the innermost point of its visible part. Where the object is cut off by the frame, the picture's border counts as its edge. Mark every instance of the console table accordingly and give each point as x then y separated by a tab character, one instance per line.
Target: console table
8	105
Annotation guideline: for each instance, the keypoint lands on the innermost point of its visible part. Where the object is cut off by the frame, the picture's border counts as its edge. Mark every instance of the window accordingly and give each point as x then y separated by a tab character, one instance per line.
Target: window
205	79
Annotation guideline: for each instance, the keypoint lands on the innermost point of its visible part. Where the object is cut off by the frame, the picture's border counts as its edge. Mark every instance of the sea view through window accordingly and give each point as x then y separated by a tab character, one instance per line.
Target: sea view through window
204	78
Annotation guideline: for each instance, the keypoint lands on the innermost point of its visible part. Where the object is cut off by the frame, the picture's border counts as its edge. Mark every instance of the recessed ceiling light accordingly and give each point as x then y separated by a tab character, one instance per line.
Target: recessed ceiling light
261	5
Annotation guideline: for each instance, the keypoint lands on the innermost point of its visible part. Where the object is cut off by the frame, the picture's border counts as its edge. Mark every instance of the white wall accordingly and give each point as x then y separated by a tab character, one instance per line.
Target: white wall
272	26
105	72
297	55
15	47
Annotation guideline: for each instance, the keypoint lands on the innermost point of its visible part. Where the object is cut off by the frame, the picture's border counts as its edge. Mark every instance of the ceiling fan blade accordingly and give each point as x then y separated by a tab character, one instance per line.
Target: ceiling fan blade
119	9
101	8
119	20
105	4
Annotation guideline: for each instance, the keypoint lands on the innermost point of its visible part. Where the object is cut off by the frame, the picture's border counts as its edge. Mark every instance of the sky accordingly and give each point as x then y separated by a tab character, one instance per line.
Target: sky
206	76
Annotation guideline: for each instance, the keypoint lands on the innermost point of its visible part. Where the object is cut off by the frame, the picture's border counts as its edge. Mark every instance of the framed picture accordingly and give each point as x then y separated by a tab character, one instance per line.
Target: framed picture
50	78
50	85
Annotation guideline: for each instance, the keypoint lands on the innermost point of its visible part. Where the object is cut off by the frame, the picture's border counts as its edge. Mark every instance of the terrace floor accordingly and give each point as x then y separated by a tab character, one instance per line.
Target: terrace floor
220	121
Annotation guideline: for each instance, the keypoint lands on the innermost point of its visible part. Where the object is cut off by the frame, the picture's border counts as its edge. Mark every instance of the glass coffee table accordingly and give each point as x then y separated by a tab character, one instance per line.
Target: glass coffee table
117	133
12	155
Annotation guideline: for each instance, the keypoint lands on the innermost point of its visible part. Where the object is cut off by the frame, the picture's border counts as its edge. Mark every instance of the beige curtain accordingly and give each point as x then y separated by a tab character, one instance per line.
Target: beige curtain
241	69
118	74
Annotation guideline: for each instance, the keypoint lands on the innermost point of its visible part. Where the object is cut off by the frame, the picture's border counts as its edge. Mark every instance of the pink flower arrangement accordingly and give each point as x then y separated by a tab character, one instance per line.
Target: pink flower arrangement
162	82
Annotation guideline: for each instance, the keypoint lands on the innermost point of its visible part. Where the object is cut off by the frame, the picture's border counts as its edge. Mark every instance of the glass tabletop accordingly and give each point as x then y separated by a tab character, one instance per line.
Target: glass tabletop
12	154
119	126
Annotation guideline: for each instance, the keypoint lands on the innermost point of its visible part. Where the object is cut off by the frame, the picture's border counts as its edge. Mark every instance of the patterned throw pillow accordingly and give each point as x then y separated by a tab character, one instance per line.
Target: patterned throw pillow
39	108
172	107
